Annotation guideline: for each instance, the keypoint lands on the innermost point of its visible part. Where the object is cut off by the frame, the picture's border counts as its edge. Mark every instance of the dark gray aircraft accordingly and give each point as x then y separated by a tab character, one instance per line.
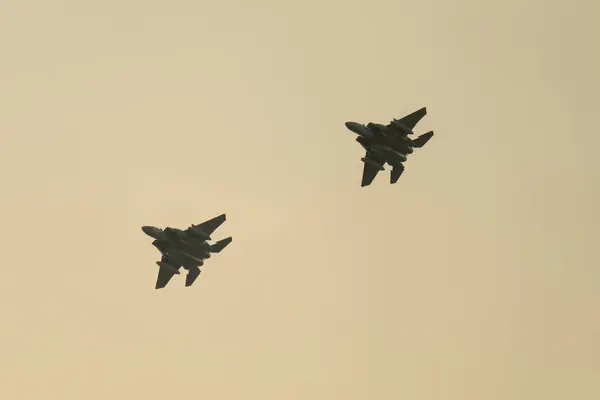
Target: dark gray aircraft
185	248
388	143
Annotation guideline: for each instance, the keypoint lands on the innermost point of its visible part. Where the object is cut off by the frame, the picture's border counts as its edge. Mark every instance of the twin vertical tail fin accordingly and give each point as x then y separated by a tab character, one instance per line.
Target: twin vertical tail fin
421	140
220	245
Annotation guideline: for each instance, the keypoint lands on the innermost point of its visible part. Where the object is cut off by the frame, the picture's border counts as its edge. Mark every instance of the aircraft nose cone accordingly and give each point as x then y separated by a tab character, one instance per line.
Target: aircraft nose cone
355	127
148	230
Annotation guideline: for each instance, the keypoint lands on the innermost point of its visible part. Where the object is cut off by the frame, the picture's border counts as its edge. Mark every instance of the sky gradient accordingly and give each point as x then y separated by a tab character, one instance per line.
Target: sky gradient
475	277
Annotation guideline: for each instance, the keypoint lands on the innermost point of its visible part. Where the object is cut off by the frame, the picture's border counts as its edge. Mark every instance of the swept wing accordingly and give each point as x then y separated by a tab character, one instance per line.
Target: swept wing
411	120
211	225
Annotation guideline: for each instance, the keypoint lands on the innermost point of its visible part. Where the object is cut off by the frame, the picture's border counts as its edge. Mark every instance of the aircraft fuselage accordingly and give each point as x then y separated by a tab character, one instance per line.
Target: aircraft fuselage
380	135
383	151
185	259
201	250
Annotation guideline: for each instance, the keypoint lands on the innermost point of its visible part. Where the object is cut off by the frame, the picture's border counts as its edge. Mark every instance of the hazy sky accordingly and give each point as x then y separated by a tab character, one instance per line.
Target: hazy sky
473	278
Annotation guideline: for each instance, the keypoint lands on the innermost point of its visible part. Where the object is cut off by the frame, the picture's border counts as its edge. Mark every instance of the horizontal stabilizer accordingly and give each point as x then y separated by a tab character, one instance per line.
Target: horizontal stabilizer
220	245
421	140
370	171
395	173
191	276
165	272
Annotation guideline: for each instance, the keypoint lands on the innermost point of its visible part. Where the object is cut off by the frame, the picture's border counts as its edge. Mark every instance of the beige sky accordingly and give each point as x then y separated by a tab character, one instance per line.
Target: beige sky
473	278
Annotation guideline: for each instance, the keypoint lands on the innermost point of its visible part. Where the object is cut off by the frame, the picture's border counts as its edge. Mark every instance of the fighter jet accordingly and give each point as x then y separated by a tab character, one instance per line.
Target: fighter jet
388	143
185	248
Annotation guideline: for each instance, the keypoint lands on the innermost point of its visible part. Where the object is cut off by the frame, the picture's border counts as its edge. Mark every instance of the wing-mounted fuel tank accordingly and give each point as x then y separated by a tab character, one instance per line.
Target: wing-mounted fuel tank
374	163
395	157
199	233
402	128
168	266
